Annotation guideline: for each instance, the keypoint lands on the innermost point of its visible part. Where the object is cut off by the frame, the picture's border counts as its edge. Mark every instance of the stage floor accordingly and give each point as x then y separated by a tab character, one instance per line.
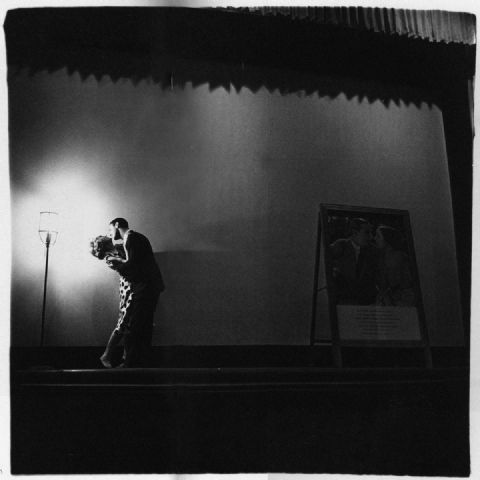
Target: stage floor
236	378
231	419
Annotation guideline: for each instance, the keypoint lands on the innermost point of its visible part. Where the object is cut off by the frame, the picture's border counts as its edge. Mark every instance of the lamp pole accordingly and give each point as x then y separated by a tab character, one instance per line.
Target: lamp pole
48	231
47	246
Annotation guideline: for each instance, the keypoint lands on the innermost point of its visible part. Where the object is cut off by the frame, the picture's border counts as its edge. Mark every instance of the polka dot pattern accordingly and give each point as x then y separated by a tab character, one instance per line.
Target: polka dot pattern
125	302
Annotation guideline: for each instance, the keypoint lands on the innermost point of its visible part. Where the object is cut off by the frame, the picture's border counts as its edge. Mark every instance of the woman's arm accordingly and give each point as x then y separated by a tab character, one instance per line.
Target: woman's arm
125	265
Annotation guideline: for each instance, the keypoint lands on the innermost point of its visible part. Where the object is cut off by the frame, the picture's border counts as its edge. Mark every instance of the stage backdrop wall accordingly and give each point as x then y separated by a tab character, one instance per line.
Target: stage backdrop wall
226	185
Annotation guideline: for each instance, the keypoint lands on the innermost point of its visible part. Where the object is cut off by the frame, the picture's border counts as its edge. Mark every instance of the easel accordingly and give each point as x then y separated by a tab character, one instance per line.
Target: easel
336	341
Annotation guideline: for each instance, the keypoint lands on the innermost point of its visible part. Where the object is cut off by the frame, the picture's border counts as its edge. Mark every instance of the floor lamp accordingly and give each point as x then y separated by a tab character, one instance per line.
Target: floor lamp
48	231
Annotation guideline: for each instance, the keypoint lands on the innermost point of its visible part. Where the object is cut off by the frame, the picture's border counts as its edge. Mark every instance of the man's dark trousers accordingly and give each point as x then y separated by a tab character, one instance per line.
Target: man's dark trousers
138	336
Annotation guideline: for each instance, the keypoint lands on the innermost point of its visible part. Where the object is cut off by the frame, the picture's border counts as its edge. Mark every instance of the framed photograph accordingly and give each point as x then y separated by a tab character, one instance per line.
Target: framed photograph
373	289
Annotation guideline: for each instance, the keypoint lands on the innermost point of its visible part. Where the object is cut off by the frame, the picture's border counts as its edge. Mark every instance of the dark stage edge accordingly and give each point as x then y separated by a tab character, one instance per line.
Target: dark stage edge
258	356
221	417
234	378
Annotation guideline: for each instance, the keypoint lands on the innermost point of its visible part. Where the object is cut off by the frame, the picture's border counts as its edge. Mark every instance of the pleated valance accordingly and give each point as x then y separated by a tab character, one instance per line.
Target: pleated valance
236	48
432	25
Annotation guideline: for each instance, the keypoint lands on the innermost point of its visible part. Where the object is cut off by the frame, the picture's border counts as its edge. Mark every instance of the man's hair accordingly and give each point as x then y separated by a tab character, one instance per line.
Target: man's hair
122	223
356	224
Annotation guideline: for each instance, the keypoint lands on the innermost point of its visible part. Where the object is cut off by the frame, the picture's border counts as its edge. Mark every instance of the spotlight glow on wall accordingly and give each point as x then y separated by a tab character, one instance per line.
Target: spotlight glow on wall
85	212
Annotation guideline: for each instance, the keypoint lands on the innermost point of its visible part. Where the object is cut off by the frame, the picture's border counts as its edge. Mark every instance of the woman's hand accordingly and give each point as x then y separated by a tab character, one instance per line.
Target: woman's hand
113	262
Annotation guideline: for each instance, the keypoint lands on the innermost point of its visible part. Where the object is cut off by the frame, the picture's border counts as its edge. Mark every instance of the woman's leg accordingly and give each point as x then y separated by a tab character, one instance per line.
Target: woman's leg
113	341
118	333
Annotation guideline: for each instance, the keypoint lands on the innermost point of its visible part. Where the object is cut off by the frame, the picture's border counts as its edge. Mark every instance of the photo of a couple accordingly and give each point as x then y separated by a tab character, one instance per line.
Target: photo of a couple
369	260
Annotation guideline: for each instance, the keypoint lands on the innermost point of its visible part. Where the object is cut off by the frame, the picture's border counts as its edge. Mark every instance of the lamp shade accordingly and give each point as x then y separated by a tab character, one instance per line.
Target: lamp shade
48	227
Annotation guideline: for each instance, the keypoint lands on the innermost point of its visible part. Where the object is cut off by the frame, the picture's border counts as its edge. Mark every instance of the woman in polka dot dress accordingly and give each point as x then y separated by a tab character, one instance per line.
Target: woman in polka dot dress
103	248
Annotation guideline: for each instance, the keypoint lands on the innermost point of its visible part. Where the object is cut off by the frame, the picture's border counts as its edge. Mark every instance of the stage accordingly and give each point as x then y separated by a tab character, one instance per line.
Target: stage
219	416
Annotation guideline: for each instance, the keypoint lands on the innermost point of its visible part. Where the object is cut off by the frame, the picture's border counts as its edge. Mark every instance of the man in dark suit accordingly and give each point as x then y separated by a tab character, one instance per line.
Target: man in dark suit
141	270
354	265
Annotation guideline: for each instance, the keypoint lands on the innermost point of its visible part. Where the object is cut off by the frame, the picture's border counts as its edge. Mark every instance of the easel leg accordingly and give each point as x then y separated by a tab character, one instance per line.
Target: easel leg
428	356
337	356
